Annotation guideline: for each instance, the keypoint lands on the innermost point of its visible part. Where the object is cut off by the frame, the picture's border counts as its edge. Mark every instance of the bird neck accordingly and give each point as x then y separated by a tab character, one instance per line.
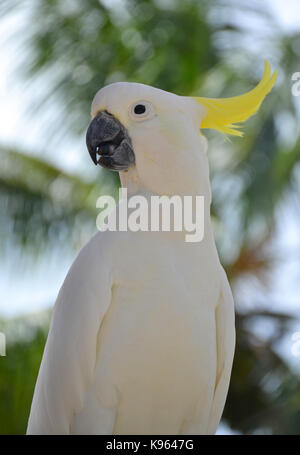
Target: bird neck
131	182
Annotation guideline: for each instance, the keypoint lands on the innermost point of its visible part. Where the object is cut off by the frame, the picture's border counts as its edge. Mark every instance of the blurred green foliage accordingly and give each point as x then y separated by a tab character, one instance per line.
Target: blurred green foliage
210	48
18	371
41	202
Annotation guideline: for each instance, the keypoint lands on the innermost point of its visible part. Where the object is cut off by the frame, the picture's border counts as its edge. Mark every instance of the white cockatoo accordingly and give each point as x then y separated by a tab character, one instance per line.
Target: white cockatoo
142	335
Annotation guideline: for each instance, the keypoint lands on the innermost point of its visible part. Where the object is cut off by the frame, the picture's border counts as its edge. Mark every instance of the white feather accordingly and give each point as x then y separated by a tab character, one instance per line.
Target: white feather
142	335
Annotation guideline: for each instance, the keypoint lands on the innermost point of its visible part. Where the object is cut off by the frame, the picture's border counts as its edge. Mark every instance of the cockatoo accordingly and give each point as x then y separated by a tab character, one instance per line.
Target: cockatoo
142	335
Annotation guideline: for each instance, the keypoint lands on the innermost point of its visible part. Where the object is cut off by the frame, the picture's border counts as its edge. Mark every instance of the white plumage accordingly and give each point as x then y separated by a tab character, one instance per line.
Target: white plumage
142	335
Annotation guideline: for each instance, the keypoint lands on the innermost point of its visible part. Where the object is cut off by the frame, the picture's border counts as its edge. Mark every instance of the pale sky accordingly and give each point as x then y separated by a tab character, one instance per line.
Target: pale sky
287	12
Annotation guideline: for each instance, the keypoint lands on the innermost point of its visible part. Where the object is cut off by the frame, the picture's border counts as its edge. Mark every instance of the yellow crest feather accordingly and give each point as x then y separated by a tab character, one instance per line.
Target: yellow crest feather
222	114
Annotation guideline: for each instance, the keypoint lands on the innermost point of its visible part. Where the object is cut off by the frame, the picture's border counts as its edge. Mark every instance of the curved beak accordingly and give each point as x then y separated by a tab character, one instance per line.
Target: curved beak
108	143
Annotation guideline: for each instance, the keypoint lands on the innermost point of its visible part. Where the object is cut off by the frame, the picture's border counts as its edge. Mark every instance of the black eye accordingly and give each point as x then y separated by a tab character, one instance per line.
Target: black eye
140	109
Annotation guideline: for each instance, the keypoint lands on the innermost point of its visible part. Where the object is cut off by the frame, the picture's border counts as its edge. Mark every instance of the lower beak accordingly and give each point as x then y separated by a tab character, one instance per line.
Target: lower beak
108	143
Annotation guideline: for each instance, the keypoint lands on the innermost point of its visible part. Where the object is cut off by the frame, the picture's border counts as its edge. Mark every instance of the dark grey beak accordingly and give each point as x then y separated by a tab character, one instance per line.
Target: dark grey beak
108	142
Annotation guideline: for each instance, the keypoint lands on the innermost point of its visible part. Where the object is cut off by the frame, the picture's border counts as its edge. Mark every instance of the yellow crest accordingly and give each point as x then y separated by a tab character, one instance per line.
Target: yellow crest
222	114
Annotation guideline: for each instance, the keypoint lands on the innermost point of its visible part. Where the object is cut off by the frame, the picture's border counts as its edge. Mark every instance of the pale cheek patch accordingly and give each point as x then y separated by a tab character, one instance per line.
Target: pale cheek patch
174	131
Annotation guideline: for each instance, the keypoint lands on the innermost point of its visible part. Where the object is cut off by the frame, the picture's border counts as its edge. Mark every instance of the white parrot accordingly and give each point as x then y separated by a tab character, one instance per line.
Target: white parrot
142	335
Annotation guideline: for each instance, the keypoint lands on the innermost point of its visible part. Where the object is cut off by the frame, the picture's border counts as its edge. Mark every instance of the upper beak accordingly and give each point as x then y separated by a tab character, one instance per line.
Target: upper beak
108	138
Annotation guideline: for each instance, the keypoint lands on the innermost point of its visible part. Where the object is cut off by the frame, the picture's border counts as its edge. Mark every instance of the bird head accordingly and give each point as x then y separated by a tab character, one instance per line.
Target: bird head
157	133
